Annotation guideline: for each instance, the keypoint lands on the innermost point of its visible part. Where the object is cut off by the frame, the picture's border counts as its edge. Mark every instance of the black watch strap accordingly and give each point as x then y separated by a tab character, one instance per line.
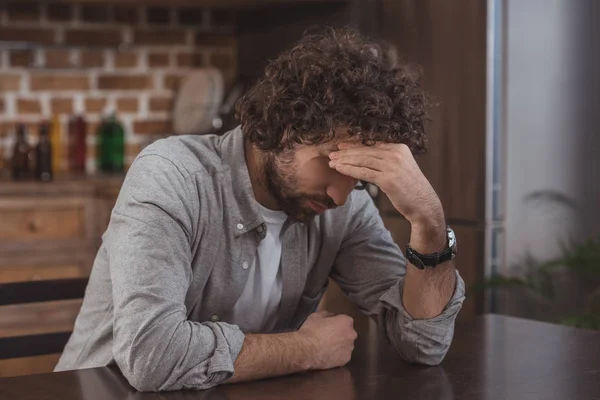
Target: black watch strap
422	261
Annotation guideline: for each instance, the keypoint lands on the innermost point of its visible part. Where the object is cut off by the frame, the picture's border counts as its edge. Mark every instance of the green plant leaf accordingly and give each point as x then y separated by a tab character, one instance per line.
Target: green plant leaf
501	281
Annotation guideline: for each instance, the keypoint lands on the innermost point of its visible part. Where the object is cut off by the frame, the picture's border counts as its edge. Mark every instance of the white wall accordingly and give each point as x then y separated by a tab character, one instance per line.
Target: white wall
552	123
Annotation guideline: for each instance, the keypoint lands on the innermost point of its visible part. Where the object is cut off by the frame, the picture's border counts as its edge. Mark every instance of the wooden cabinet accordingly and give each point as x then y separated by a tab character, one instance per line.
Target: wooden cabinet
48	232
448	42
45	223
205	3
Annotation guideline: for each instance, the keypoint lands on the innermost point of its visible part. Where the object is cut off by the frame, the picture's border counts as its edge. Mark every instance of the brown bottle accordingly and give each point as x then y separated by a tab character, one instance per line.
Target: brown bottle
77	144
21	163
43	155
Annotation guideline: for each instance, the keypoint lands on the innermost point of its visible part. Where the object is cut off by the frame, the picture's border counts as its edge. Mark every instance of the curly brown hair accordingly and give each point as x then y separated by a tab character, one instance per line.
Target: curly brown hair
335	78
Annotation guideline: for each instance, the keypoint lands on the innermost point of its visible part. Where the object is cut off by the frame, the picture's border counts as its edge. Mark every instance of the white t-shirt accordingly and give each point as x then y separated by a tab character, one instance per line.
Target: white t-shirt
256	309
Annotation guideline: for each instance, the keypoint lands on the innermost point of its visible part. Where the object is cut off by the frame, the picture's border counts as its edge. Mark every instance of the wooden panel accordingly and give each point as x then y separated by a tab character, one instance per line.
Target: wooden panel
37	318
40	291
30	222
28	365
23	273
42	223
33	345
469	261
206	3
448	40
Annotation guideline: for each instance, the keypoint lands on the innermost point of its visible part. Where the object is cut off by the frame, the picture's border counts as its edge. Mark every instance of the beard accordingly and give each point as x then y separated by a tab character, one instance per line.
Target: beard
282	184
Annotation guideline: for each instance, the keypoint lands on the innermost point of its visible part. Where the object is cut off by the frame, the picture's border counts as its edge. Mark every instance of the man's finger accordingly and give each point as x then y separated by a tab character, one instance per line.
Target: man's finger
360	160
360	173
364	150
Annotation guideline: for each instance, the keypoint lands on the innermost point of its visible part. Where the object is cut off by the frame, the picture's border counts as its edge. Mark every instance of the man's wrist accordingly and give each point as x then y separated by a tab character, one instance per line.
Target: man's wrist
307	352
428	234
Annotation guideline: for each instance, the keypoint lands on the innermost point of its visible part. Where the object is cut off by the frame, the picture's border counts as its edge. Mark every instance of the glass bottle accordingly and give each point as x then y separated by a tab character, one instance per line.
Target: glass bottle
21	162
77	144
117	145
111	145
43	152
56	144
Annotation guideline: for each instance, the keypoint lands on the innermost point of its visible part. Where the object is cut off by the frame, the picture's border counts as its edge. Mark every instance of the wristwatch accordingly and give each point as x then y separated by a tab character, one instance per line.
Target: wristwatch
422	261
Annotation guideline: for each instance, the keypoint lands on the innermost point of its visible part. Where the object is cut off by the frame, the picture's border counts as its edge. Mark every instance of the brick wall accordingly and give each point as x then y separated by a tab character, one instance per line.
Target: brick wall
58	58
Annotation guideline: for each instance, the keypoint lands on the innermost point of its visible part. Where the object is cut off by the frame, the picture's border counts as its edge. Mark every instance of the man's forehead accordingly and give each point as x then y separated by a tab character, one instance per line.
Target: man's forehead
342	136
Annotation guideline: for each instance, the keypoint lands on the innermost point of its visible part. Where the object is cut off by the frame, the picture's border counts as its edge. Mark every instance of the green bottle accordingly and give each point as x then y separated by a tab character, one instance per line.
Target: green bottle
111	145
117	145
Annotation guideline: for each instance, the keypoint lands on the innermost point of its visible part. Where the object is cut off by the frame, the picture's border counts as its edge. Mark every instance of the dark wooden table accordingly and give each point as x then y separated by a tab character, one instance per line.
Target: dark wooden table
492	358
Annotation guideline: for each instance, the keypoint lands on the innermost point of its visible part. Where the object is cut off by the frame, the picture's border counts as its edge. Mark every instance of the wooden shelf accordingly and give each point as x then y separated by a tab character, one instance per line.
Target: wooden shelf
64	184
240	4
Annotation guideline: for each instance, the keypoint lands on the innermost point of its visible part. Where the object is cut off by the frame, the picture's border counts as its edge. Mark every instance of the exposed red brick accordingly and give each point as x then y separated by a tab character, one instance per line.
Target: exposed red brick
23	11
29	106
158	59
127	104
125	14
28	35
132	149
61	106
222	60
91	150
54	82
172	82
93	37
9	126
93	105
94	13
10	82
215	40
126	59
92	129
161	104
21	58
189	59
157	15
57	58
91	58
124	82
59	12
152	127
190	16
158	38
222	17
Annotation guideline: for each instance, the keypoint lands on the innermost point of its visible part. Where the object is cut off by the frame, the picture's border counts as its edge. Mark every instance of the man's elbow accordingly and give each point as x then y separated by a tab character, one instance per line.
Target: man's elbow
425	350
431	359
142	379
142	383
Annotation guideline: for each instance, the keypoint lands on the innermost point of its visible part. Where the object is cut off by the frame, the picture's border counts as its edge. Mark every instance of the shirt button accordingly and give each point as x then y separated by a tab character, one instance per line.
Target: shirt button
245	265
260	229
240	226
214	318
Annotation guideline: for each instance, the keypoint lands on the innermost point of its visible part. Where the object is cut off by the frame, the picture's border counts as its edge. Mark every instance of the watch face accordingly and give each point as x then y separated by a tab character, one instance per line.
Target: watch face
451	239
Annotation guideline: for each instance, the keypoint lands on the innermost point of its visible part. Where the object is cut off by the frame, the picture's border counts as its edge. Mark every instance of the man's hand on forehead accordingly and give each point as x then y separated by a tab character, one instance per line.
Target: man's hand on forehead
392	167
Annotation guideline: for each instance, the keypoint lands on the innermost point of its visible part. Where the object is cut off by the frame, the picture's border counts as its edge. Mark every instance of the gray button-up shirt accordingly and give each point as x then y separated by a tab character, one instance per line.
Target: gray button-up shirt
171	264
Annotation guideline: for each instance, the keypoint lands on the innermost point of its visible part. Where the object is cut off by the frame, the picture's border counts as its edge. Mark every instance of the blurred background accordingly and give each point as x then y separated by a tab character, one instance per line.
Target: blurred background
86	84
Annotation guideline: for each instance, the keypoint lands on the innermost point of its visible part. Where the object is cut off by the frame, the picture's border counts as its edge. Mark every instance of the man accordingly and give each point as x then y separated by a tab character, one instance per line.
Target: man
220	248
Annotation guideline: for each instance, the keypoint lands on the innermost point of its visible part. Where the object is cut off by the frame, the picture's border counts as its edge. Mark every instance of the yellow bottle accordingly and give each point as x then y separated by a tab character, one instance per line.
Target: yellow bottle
56	142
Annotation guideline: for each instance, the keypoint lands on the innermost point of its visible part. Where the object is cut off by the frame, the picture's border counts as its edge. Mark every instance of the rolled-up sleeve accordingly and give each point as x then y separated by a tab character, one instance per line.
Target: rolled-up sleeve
148	245
370	270
423	341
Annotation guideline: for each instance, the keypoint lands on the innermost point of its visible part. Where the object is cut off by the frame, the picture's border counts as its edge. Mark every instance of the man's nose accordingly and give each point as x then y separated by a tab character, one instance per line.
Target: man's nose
341	189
